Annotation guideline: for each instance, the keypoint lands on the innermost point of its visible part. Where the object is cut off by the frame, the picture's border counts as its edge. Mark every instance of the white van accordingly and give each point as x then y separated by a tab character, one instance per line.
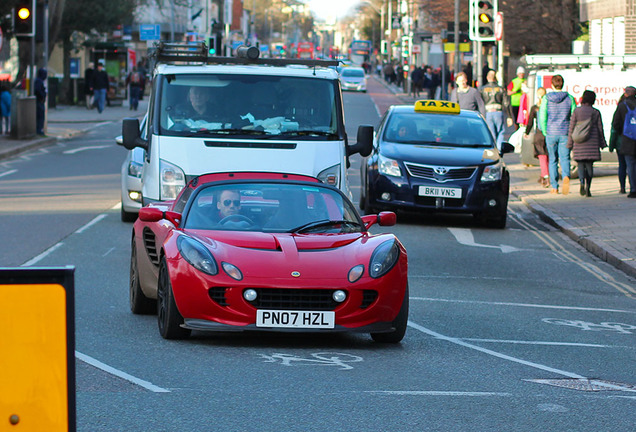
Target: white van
220	114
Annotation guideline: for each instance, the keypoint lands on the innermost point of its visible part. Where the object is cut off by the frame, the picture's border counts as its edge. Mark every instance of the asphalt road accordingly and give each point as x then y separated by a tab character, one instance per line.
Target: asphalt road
515	329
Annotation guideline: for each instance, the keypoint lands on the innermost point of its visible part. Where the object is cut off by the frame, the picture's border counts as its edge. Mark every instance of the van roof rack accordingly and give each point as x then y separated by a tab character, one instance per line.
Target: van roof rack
197	52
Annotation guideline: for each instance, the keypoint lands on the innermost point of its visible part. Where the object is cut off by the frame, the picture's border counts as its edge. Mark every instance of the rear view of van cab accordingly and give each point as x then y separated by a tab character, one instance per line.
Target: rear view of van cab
224	114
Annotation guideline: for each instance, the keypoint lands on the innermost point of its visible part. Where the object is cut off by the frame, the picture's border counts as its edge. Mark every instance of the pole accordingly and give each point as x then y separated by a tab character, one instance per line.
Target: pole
457	59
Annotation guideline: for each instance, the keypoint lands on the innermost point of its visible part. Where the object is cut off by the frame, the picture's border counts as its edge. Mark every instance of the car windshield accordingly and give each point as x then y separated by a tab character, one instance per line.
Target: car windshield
437	129
249	105
355	73
272	207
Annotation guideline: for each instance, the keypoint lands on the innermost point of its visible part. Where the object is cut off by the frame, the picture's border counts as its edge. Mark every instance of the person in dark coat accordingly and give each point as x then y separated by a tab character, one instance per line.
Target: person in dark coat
100	85
628	145
586	152
40	100
540	149
88	82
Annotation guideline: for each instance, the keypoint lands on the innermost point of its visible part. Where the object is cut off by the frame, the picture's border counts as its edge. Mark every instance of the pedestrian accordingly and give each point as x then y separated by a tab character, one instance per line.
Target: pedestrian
496	104
5	109
143	72
467	97
586	138
624	123
88	81
468	70
615	144
40	100
554	121
540	149
100	86
515	90
416	81
133	80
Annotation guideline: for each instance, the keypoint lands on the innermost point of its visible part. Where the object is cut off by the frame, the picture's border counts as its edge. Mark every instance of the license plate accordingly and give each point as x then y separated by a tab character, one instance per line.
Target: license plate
440	192
295	319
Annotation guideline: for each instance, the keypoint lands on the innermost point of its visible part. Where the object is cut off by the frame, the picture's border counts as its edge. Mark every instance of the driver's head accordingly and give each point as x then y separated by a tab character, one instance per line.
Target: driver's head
198	97
229	203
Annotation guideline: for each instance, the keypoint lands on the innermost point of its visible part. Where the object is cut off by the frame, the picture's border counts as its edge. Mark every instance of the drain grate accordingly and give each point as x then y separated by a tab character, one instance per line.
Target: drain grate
587	384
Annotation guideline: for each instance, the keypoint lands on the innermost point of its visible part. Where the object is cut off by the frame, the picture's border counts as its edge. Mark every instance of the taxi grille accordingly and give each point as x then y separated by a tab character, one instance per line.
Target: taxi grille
428	172
294	299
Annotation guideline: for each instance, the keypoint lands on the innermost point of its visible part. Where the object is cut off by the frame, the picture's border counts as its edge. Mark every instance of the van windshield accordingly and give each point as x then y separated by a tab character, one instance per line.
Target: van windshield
248	105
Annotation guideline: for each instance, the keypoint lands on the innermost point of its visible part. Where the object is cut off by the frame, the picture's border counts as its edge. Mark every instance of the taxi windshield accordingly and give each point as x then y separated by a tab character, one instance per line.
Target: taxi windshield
248	105
437	129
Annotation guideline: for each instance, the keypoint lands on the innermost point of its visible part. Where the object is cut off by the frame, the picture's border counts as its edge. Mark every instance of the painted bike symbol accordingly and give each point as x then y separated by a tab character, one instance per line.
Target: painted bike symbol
588	326
319	359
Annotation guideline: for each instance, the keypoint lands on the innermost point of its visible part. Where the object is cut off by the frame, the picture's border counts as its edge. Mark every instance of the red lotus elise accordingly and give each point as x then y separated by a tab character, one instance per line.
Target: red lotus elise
267	251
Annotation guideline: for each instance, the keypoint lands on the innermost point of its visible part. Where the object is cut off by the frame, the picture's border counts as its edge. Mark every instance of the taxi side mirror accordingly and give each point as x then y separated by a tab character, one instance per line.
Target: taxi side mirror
364	142
131	137
506	147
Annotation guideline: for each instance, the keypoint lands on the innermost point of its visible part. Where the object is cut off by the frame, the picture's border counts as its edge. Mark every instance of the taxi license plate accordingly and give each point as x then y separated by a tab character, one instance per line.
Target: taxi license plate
295	319
440	192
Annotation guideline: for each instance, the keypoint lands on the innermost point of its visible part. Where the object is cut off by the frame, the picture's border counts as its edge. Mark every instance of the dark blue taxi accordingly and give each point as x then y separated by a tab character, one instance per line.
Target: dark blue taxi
432	156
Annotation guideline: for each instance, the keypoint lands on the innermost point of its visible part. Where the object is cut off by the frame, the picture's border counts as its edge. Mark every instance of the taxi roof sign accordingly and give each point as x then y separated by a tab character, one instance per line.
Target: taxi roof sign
437	106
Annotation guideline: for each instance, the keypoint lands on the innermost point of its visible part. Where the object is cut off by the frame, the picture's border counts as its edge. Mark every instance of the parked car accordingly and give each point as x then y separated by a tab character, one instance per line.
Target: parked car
267	251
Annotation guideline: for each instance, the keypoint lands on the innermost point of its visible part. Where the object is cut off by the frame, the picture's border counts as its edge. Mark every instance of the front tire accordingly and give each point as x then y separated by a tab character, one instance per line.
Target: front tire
128	216
139	303
168	317
399	324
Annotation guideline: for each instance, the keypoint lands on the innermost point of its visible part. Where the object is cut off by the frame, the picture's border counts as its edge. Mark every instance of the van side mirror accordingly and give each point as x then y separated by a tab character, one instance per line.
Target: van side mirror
364	143
131	137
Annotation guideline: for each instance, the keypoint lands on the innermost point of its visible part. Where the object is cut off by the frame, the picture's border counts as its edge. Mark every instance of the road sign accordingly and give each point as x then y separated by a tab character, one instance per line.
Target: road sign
149	32
498	26
37	336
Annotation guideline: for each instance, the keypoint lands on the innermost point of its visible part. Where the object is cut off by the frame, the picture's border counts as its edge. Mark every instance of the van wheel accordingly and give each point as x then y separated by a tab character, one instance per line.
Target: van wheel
128	216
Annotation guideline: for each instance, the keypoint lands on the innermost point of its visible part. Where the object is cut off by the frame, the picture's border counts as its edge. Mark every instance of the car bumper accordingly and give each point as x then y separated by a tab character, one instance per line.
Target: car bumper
354	87
403	193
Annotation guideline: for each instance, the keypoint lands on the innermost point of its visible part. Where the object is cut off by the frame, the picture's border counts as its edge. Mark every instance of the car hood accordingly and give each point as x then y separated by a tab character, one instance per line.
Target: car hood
276	255
436	155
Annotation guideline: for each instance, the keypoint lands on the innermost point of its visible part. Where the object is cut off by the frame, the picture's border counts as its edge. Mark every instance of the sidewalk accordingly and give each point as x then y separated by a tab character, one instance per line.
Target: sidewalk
67	121
604	224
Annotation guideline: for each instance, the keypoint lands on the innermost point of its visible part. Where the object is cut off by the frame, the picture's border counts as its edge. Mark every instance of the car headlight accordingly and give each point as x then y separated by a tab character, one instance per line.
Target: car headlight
389	167
134	169
171	179
492	172
330	176
197	255
384	258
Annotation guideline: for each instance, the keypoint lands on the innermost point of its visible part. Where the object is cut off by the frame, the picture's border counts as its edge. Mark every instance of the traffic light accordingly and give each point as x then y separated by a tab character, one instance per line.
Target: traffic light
24	18
212	45
482	20
405	46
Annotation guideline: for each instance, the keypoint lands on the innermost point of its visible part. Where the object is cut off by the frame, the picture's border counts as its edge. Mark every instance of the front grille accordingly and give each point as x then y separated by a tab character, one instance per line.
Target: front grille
294	299
218	295
432	201
150	245
428	172
368	297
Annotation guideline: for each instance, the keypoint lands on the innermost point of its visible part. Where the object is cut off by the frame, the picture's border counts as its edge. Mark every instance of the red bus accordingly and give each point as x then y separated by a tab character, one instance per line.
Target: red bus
305	50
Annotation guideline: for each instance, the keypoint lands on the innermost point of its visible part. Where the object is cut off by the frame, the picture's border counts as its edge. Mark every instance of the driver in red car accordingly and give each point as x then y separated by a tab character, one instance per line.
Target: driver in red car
229	203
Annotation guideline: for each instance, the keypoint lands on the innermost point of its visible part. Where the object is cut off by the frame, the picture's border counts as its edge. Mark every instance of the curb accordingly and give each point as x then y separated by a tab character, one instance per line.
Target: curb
595	246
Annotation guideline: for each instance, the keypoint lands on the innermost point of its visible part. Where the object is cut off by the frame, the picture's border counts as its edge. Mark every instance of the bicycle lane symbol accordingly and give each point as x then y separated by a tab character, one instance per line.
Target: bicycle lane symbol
588	326
317	359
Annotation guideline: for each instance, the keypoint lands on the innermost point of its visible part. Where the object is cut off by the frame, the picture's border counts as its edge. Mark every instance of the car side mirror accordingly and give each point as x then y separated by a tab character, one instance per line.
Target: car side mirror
154	214
385	218
506	147
131	137
364	143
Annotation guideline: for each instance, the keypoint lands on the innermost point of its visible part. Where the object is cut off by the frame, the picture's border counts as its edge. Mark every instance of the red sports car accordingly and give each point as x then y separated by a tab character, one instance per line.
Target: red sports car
267	251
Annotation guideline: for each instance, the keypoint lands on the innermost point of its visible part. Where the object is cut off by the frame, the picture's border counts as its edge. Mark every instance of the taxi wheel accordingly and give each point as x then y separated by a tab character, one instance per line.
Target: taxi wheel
399	324
368	209
139	303
497	221
168	317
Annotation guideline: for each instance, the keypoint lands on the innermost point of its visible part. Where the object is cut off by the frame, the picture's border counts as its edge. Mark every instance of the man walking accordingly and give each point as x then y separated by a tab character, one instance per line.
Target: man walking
495	101
554	121
100	86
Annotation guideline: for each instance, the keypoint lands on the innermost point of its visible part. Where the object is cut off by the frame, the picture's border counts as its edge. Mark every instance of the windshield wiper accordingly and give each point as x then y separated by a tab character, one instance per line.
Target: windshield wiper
309	132
238	131
323	222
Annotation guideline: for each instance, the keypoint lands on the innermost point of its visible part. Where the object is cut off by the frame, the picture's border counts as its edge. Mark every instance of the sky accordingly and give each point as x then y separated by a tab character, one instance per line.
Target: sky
331	8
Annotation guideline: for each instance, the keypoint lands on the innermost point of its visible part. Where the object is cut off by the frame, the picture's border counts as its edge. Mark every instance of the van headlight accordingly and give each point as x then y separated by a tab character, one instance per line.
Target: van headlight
492	172
171	180
389	167
330	176
384	258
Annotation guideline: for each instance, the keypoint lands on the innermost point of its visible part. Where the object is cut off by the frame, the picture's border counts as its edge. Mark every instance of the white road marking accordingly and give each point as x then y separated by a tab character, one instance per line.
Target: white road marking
80	149
530	305
540	343
465	236
43	255
91	223
123	375
435	393
494	353
6	173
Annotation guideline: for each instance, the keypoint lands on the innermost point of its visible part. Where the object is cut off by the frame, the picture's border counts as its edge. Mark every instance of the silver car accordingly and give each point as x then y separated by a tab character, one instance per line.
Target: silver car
353	78
131	170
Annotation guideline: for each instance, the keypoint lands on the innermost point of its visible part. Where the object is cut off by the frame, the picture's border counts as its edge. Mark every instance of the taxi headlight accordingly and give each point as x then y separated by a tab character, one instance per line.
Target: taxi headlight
492	172
172	180
197	255
384	258
389	167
